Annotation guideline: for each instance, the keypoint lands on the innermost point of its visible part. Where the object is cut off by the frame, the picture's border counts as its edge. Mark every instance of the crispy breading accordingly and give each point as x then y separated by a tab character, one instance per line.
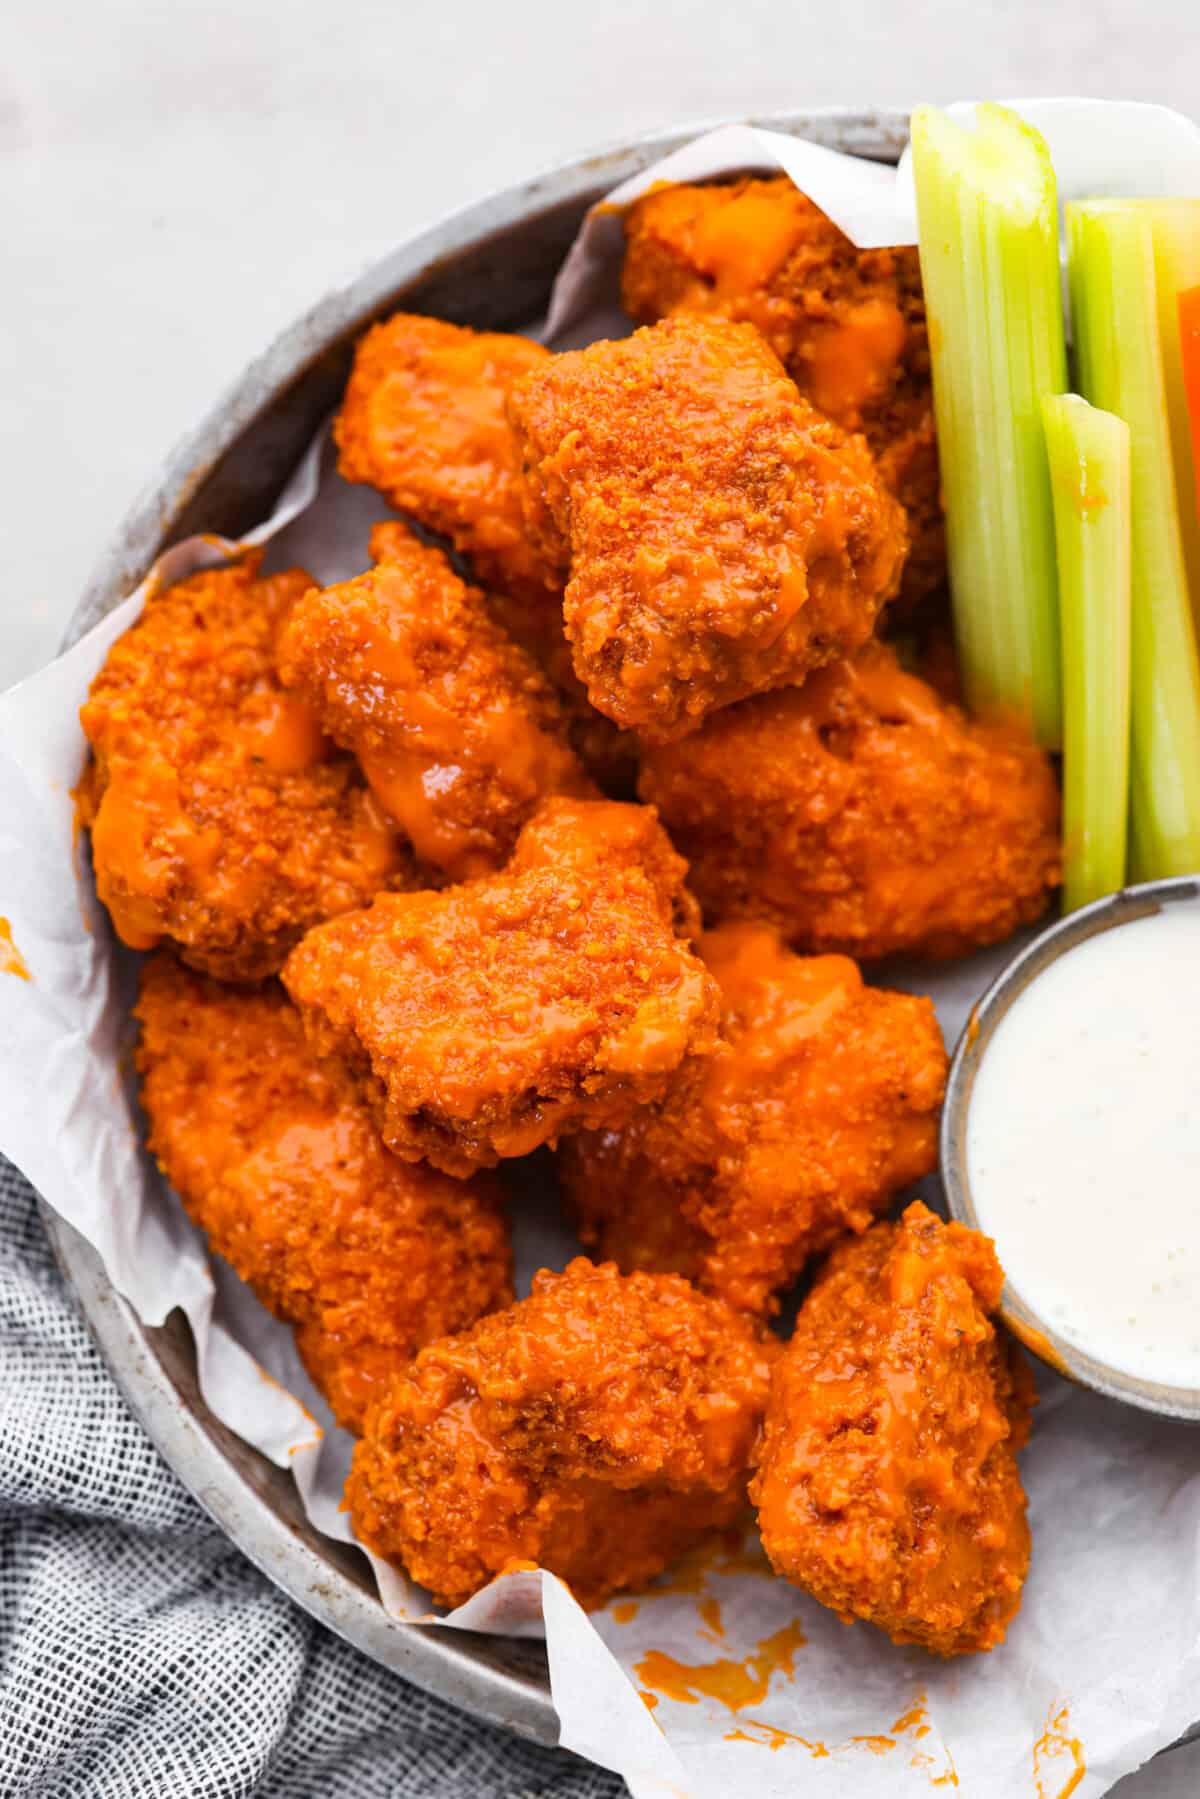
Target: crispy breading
490	1018
423	420
457	729
221	817
820	1105
724	537
888	1486
598	1428
861	813
849	325
276	1159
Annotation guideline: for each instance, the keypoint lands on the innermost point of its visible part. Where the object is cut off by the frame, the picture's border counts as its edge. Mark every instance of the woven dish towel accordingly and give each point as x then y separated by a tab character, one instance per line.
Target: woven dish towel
141	1655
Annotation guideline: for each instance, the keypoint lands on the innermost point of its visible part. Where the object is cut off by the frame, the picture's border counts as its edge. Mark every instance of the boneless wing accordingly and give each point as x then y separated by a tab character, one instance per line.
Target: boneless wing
221	816
888	1485
598	1428
820	1104
862	813
277	1160
423	421
457	729
490	1018
723	536
849	325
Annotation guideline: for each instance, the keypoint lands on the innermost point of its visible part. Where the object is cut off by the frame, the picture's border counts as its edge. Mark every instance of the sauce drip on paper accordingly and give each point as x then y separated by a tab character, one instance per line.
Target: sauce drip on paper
734	1684
11	959
1058	1764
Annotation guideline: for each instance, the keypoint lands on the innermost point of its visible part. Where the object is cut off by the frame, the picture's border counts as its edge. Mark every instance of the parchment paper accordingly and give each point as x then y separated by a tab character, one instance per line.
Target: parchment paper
722	1682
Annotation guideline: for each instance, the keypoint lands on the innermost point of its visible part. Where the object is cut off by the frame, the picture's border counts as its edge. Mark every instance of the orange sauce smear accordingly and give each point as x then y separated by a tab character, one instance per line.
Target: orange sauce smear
1055	1744
733	1684
913	1724
11	959
710	1614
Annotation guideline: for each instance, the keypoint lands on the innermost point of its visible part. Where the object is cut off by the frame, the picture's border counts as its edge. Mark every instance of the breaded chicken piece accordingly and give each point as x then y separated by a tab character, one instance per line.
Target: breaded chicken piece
490	1018
723	536
458	731
888	1486
861	813
819	1106
221	817
848	325
598	1429
423	420
277	1160
609	755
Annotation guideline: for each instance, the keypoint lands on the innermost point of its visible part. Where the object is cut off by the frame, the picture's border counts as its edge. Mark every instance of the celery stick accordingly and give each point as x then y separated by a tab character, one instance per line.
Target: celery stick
1114	309
988	231
1175	225
1188	303
1089	476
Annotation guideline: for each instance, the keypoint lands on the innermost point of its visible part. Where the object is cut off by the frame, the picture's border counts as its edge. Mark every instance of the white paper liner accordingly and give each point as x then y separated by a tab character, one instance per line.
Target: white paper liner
1102	1666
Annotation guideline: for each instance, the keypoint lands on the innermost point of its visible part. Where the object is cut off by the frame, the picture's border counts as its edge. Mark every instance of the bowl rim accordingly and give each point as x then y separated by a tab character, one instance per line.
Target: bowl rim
445	1662
1143	900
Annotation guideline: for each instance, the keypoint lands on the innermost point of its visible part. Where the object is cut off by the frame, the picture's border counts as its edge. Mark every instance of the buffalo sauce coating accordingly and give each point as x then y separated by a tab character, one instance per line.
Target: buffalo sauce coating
888	1484
723	536
221	816
609	755
861	813
598	1428
458	731
423	420
849	325
484	1020
277	1160
820	1105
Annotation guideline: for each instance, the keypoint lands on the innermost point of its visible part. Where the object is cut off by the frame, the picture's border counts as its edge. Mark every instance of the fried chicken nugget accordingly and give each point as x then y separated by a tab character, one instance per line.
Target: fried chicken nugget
423	420
221	817
598	1428
848	325
490	1018
888	1486
458	731
861	813
819	1106
723	536
277	1161
609	755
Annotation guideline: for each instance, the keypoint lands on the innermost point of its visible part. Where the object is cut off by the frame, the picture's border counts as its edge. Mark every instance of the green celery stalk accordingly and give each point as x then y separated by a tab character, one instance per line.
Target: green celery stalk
1175	226
987	215
1090	480
1114	307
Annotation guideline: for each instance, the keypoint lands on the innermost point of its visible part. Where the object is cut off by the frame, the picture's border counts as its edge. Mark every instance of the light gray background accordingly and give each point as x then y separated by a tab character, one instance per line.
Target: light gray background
179	178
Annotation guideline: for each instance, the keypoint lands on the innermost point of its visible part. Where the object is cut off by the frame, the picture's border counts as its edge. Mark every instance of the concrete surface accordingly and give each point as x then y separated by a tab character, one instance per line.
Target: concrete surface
178	179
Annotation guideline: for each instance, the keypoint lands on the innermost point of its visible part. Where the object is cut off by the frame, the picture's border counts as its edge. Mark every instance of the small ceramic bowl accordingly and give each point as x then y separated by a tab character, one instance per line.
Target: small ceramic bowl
1035	1332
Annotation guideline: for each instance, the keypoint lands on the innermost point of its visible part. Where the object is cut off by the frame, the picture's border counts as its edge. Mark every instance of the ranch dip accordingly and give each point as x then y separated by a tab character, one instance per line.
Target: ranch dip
1083	1146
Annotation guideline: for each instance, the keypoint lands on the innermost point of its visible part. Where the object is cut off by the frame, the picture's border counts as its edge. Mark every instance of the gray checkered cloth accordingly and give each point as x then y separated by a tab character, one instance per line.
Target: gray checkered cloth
141	1656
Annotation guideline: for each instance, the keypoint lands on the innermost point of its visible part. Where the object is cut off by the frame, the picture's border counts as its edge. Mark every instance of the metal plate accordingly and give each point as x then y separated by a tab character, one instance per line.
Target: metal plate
490	266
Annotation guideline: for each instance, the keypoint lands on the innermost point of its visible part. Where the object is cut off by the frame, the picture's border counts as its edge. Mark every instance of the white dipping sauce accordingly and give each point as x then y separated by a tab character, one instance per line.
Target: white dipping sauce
1083	1146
